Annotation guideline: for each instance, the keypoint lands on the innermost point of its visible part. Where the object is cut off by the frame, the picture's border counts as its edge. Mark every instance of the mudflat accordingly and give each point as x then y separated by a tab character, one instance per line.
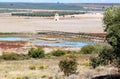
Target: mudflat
88	23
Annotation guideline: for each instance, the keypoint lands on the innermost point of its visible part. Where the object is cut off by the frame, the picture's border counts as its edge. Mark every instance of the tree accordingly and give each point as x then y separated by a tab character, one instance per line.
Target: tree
112	28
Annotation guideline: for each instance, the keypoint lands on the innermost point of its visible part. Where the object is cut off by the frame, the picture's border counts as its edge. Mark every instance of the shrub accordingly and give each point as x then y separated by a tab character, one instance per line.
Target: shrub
36	53
94	62
42	67
58	53
104	57
107	54
98	48
85	63
97	61
13	56
44	76
19	77
68	66
87	49
10	56
32	67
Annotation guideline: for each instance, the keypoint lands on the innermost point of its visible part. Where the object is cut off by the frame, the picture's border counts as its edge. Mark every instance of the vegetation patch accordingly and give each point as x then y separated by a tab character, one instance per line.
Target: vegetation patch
85	63
74	55
46	14
32	67
89	49
104	57
58	53
42	67
68	66
36	53
13	56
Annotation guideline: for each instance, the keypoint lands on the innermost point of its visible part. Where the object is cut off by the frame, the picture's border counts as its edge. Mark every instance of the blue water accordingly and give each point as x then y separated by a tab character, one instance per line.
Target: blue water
59	43
62	44
11	39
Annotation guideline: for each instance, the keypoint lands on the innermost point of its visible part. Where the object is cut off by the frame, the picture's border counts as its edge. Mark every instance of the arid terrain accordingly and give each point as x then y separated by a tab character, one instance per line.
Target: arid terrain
47	68
19	69
89	23
56	40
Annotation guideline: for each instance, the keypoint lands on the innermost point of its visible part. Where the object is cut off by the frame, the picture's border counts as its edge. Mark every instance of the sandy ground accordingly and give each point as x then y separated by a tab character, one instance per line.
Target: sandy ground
90	23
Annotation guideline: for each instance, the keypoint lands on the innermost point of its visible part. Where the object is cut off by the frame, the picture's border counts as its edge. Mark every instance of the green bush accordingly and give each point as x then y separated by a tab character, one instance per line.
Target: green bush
107	54
58	53
104	57
89	49
99	47
36	53
68	66
96	61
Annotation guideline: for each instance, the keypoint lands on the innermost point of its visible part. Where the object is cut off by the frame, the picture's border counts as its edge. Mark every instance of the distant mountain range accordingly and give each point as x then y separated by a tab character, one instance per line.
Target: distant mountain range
53	6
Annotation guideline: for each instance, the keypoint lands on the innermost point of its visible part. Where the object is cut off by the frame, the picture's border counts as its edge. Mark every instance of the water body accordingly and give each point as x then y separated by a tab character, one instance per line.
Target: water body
62	43
12	39
59	43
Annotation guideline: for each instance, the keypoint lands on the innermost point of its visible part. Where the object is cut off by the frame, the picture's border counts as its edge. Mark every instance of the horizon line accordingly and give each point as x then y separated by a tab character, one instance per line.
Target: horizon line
66	2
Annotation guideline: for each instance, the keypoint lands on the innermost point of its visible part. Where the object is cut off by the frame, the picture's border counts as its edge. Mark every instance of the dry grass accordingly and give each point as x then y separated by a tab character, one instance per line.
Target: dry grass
45	68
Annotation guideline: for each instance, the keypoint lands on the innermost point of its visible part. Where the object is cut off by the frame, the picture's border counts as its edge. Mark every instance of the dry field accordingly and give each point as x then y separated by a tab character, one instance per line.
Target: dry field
18	69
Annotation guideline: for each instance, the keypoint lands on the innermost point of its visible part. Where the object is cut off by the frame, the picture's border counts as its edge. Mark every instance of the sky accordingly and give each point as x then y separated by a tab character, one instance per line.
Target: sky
64	1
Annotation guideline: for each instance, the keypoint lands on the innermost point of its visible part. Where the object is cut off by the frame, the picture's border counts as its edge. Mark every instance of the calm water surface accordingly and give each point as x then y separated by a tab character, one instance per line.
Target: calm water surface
60	43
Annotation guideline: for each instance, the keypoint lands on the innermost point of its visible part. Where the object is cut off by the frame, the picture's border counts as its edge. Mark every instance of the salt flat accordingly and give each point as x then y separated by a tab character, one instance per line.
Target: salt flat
89	24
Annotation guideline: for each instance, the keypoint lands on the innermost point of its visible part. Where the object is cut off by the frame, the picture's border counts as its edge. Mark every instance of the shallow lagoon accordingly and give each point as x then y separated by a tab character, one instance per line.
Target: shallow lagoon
12	39
59	43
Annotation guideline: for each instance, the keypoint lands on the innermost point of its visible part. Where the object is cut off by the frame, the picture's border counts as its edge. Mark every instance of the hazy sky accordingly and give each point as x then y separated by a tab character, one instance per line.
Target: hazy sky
65	1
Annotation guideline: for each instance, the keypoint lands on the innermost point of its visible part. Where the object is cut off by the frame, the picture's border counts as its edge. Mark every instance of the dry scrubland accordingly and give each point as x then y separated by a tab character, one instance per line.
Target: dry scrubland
48	67
19	69
90	23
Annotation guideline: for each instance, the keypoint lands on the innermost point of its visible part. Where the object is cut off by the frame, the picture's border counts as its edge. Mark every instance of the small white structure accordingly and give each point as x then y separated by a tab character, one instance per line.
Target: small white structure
56	18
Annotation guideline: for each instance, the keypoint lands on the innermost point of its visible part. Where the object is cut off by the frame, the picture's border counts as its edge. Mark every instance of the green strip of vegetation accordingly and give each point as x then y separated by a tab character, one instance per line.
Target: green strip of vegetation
7	33
46	14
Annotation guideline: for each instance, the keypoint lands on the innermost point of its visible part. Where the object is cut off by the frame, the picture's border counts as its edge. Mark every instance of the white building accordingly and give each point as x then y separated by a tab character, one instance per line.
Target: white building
56	18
